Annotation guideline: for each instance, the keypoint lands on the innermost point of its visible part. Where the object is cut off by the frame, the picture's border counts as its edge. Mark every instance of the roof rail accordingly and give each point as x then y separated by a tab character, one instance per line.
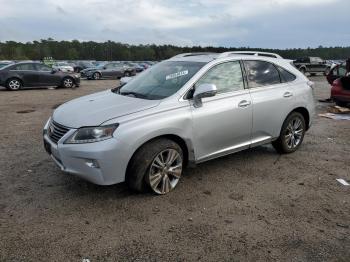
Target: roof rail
193	54
254	53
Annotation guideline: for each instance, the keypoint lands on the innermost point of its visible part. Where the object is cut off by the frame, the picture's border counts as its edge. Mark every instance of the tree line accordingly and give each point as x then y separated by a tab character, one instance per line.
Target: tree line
110	51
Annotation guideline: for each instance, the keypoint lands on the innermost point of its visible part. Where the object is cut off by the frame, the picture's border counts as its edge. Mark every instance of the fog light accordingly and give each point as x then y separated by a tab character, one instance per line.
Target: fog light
92	163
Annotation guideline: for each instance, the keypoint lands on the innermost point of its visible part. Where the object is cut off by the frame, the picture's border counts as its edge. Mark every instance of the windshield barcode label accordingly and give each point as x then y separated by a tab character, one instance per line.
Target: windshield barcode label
175	75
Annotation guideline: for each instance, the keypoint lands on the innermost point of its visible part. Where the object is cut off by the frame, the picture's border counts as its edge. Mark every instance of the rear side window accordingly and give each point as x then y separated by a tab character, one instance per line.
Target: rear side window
226	76
261	73
285	75
24	67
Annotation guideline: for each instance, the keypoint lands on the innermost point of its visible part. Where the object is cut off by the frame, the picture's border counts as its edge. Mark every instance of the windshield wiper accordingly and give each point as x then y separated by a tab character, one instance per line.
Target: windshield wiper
135	94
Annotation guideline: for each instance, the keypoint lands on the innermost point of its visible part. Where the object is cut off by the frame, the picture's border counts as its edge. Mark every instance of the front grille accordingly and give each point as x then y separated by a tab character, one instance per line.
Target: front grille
56	131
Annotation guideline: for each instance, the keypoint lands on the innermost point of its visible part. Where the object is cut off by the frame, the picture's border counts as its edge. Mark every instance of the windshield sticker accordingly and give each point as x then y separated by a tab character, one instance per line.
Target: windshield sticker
175	75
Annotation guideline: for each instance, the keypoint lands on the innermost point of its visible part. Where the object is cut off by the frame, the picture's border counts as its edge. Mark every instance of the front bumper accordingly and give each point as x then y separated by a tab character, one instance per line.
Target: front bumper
102	163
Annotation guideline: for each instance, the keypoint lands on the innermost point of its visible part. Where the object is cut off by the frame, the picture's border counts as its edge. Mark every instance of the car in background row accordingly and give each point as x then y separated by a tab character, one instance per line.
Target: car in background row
33	74
81	65
312	65
340	91
63	66
109	70
5	63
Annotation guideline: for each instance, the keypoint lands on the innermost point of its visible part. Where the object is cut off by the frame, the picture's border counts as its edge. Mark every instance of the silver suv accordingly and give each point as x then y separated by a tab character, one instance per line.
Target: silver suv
185	110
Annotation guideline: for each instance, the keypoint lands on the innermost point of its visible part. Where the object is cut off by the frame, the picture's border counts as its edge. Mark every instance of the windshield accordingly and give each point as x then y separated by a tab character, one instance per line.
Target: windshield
161	80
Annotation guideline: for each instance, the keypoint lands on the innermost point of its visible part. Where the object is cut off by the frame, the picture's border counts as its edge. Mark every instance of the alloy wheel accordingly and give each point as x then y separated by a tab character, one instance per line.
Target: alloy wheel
14	84
294	133
96	76
165	171
68	82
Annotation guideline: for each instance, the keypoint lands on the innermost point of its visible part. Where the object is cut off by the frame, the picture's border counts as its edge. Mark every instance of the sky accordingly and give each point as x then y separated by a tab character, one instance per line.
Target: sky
228	23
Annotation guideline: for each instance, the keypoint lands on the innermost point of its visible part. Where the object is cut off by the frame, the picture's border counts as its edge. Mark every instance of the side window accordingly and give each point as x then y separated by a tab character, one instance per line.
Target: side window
109	66
41	67
24	67
285	75
261	73
226	76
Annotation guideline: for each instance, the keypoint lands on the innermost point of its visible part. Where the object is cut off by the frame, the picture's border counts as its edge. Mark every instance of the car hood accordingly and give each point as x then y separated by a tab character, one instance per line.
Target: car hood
93	110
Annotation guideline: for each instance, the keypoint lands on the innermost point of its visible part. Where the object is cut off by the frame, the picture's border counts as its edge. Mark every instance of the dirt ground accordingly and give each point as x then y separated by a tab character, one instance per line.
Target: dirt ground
251	206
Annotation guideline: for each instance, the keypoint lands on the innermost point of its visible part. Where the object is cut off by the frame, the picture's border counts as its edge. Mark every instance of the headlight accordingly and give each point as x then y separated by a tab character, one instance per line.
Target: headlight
92	134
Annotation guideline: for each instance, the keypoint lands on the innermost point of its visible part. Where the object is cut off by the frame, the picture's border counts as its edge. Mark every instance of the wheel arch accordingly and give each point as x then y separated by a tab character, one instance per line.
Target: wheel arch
176	138
305	113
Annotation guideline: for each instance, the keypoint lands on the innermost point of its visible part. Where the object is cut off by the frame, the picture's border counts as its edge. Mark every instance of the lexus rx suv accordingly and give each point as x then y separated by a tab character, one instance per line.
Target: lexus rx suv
182	111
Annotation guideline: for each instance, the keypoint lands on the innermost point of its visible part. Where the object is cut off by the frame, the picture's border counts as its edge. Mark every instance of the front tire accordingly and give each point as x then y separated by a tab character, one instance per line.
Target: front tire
292	134
68	82
157	165
96	76
14	84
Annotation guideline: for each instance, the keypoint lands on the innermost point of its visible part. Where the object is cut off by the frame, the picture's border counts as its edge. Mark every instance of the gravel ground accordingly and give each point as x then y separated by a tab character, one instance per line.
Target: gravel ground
251	206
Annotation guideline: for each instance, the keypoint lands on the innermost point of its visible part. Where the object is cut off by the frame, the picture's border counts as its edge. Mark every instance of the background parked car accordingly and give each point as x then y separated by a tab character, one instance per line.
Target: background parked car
337	71
109	70
312	65
81	65
5	63
63	66
19	75
340	92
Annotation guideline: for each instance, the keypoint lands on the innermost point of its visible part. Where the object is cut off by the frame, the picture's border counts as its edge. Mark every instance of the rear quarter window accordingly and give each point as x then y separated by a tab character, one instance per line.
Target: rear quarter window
285	75
261	73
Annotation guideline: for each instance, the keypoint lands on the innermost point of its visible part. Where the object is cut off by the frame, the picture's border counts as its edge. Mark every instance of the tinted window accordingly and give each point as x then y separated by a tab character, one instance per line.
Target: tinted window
41	67
227	77
285	75
261	73
109	66
24	67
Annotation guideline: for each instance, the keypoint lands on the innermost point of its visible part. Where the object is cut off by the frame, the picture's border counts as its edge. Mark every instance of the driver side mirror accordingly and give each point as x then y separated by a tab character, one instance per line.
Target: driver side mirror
203	90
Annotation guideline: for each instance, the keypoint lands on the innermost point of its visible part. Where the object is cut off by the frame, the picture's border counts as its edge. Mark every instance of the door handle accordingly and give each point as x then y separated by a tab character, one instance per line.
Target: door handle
244	103
287	94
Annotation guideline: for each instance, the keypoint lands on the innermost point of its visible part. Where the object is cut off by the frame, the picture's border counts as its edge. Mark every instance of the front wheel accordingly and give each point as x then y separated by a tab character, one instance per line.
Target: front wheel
96	76
67	82
292	134
157	165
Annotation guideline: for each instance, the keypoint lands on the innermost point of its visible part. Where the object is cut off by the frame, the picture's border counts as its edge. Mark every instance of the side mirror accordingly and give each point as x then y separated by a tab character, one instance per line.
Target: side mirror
204	90
104	68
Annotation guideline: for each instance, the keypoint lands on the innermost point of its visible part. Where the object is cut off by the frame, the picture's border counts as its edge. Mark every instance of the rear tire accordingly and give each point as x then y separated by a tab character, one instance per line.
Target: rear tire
14	84
291	135
146	172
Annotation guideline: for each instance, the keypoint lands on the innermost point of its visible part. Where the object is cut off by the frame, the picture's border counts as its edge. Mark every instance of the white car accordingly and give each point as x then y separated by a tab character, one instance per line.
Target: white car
185	110
62	66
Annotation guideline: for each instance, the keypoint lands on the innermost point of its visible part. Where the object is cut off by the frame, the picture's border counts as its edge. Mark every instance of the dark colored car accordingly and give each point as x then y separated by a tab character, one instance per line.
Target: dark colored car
312	65
81	65
29	74
109	70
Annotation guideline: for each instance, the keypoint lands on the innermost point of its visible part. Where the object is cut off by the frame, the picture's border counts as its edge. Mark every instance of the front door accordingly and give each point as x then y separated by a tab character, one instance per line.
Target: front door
47	77
223	123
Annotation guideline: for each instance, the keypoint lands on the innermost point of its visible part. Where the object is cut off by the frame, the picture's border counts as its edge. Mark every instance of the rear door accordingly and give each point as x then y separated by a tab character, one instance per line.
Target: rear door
272	99
27	73
108	70
223	123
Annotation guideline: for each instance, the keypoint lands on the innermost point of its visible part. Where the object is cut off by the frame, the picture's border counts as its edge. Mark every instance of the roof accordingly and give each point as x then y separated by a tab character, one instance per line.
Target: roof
208	57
